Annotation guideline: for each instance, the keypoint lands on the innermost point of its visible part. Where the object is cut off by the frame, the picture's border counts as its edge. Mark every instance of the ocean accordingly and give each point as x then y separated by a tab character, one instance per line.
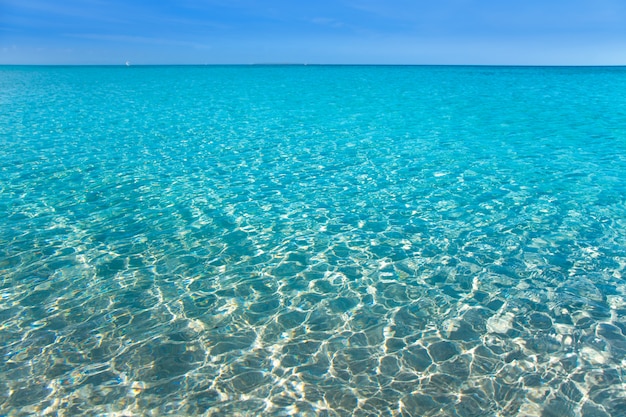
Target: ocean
313	240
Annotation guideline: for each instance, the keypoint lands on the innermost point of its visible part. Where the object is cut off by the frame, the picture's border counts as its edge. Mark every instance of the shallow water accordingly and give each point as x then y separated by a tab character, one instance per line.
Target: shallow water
415	241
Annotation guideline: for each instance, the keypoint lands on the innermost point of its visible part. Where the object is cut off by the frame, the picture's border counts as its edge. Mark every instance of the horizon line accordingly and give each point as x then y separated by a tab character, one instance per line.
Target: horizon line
295	64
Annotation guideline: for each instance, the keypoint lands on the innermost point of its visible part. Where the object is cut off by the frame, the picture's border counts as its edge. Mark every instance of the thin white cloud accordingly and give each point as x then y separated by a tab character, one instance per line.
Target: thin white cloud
400	10
137	40
326	21
86	10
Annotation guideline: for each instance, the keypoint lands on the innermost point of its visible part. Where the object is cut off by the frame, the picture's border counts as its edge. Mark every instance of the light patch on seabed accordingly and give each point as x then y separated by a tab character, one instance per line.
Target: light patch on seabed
594	356
500	323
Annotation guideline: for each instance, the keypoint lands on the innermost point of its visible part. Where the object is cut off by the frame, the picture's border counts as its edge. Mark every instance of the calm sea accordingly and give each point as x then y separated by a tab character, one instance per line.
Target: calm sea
312	240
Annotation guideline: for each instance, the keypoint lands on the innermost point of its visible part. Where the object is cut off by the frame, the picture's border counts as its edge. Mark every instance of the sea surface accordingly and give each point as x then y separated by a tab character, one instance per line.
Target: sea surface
313	241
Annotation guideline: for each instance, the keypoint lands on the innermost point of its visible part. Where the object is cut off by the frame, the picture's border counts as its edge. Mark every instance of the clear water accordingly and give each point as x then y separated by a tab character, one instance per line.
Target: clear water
333	241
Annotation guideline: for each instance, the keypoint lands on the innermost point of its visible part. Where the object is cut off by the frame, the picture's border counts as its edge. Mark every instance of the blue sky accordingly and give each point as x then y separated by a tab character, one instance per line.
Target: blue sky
529	32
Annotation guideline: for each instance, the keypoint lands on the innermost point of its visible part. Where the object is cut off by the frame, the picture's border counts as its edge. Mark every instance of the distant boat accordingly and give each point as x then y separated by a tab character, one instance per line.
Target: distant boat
128	63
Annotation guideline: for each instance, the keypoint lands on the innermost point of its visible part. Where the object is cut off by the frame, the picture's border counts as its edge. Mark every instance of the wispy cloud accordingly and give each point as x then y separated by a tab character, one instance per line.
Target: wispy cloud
401	10
128	39
326	21
85	9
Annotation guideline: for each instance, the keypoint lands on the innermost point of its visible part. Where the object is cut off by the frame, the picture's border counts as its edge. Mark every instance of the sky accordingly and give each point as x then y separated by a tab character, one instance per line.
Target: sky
422	32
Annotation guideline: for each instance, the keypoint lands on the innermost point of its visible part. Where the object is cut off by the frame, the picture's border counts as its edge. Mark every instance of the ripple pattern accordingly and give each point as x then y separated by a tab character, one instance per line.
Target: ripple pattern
332	241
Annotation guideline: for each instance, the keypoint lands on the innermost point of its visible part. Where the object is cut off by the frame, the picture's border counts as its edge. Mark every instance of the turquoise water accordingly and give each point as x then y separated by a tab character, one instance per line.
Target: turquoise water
333	241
